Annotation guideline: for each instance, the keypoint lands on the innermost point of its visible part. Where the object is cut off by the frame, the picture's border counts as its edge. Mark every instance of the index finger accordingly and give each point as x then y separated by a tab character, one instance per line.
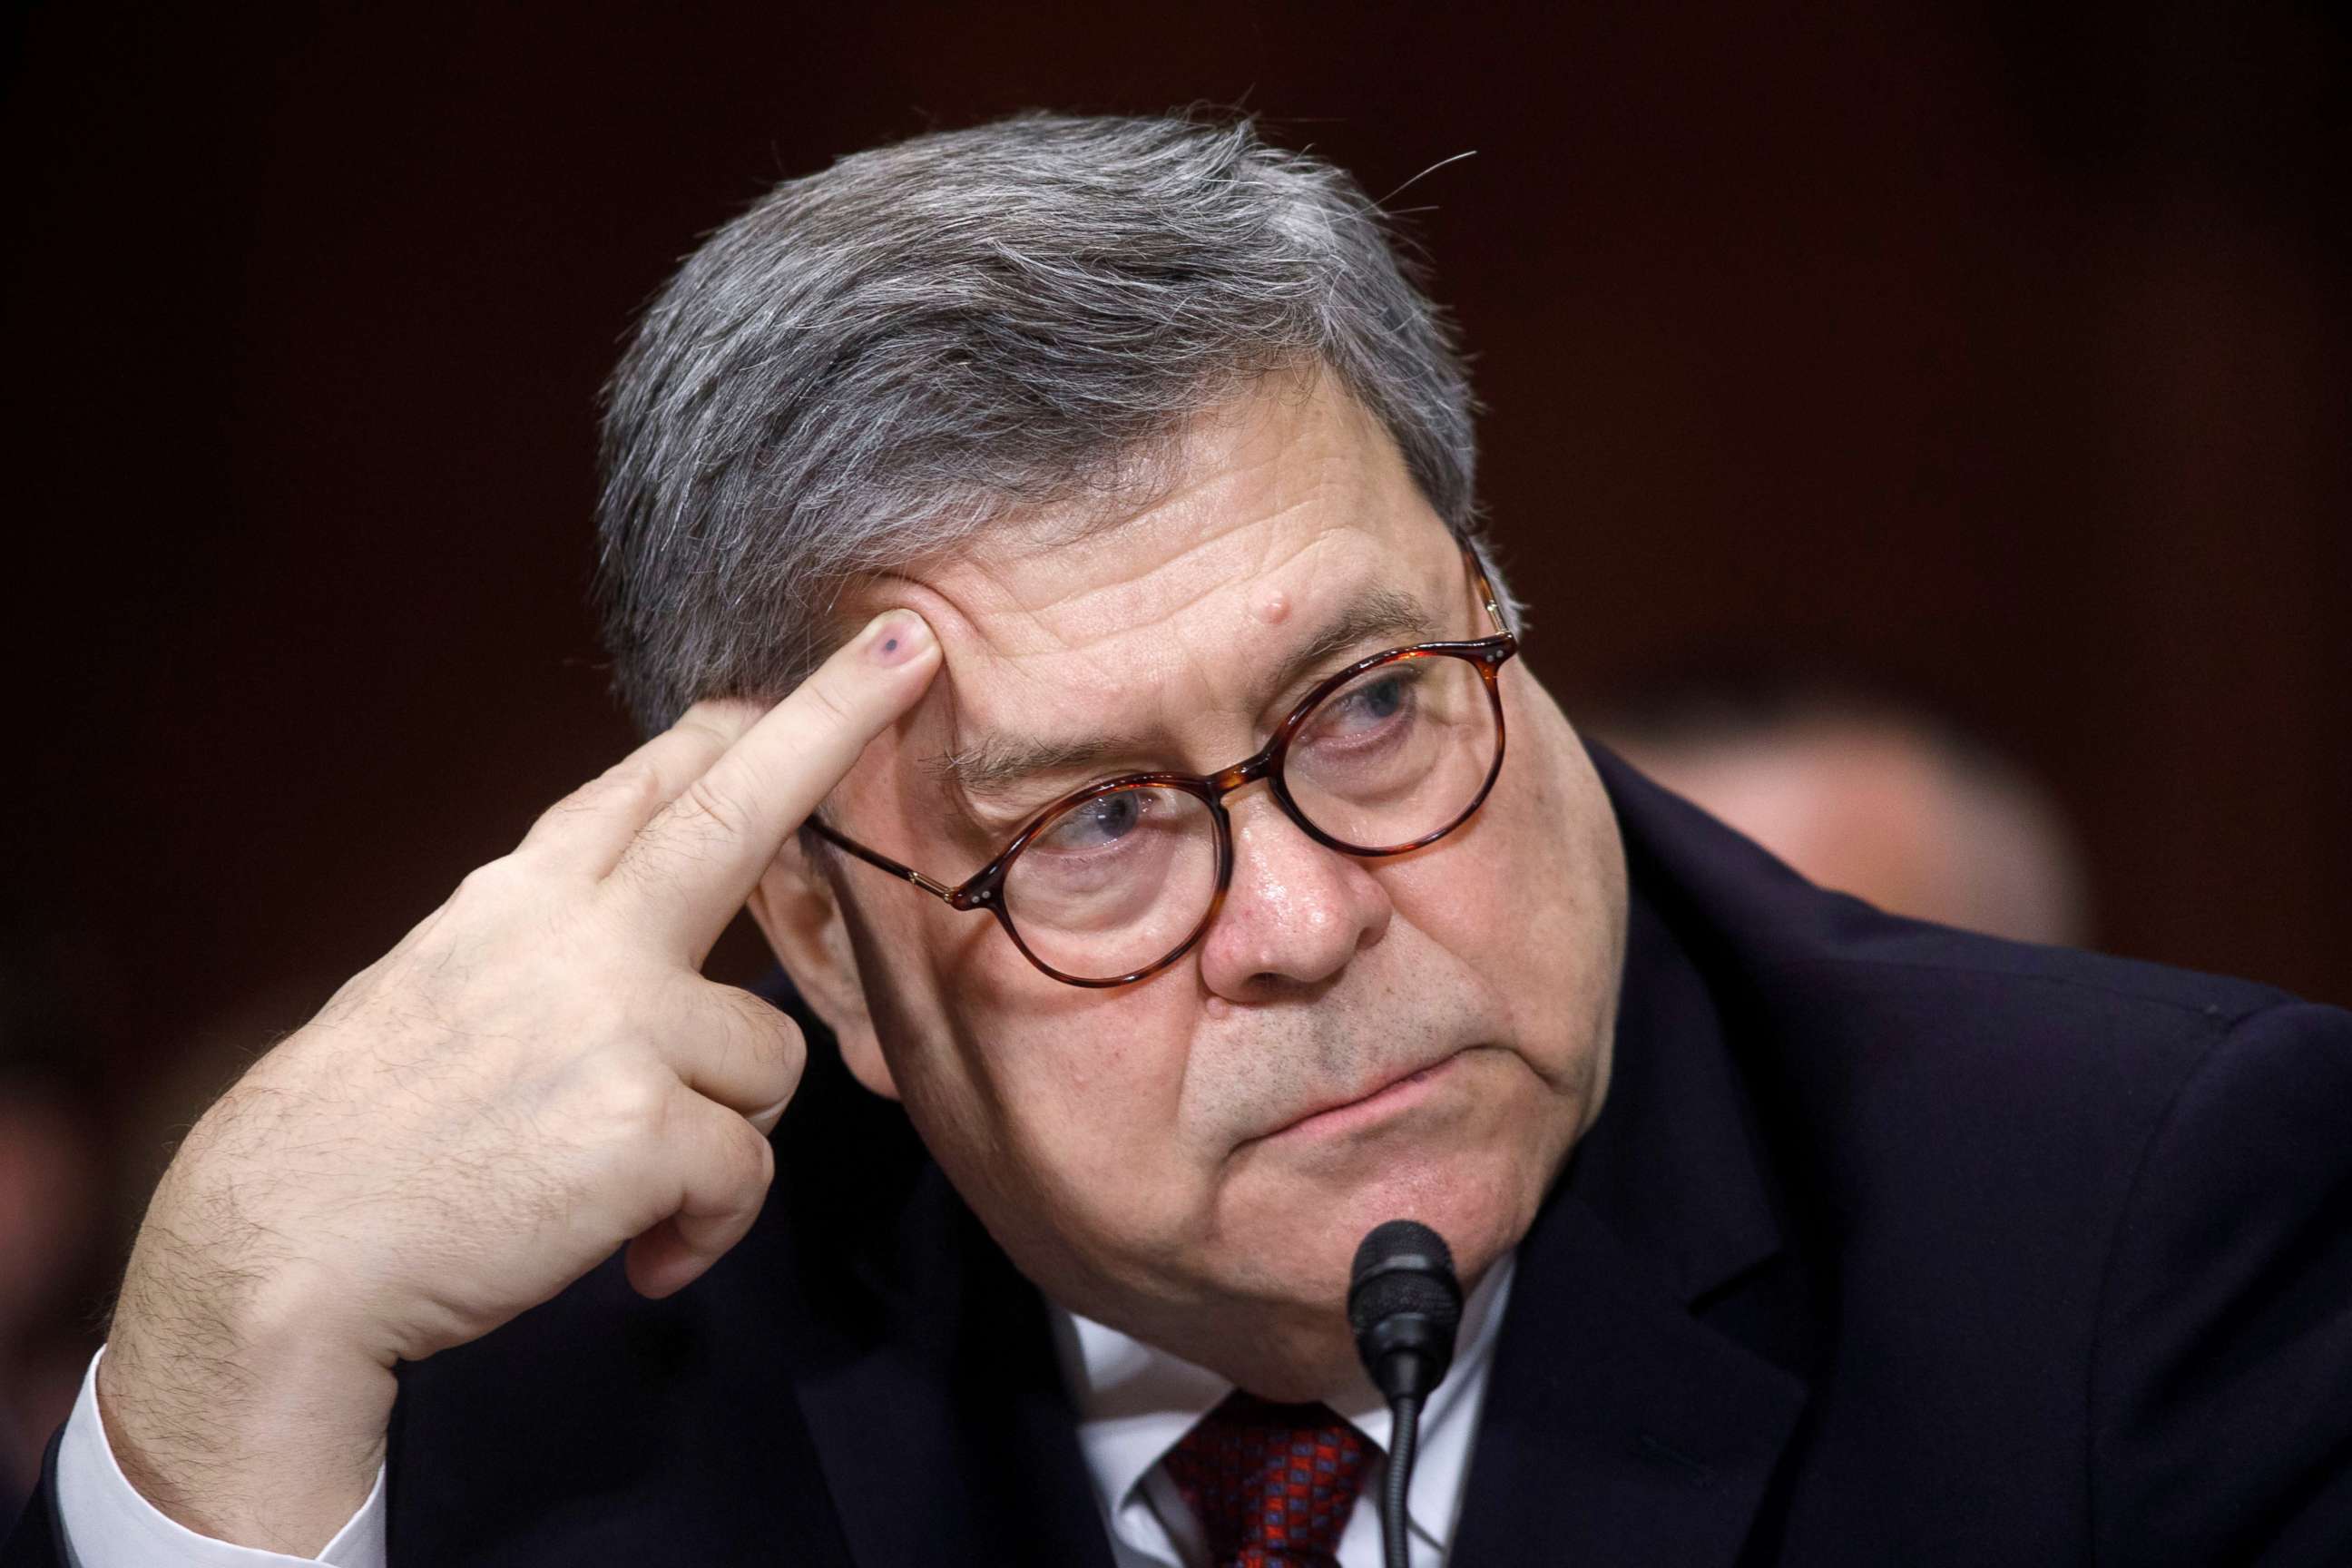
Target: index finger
702	855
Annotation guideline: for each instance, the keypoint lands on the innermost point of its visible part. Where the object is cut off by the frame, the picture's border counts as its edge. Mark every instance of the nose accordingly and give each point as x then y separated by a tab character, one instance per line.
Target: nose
1295	912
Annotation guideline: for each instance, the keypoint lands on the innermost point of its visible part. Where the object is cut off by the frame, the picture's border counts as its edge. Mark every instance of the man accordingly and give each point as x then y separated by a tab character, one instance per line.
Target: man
1867	794
1207	880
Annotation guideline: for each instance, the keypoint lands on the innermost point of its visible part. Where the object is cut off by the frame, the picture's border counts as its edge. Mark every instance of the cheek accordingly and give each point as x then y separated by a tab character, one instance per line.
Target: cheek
1094	1127
1055	1109
1532	898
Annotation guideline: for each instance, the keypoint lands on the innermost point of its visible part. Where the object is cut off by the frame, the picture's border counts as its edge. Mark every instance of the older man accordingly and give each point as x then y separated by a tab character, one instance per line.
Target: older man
1180	844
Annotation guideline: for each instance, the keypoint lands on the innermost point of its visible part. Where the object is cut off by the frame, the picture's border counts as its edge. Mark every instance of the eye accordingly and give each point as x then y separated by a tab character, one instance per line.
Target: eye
1363	708
1095	823
1376	701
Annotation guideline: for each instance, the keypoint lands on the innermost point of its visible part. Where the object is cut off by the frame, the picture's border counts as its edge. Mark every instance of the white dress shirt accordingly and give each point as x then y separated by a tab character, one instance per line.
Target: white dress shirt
1134	1402
108	1524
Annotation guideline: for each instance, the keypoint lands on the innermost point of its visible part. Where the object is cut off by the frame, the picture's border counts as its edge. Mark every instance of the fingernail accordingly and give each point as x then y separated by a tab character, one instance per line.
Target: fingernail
896	635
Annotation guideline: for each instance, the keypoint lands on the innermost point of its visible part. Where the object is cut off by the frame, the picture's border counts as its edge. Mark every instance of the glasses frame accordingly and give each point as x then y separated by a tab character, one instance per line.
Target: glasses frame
984	889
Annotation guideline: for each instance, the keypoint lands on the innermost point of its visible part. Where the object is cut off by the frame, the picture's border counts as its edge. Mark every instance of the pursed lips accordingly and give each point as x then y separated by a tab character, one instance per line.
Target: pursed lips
1396	1084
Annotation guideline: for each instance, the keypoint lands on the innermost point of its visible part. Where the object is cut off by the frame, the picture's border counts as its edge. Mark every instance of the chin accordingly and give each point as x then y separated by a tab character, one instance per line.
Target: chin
1481	1208
1477	1185
1283	1331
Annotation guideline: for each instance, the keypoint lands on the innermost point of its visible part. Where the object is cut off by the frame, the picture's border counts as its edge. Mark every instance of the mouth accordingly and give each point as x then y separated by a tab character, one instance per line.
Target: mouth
1390	1097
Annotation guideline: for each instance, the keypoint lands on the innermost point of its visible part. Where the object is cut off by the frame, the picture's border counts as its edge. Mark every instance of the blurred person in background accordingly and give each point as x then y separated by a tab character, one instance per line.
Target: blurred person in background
1868	793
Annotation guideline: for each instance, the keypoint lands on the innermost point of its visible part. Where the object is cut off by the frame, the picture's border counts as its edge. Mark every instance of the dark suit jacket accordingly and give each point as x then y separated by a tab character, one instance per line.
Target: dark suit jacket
1891	1245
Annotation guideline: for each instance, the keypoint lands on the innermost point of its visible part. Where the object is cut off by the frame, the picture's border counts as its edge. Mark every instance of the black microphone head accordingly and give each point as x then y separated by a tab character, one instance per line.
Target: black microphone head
1404	1305
1401	1265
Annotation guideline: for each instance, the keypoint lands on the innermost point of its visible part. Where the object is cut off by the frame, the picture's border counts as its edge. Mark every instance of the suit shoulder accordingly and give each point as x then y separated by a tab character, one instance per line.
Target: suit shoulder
2012	1026
1834	964
2222	1326
1877	952
2015	1089
2016	1034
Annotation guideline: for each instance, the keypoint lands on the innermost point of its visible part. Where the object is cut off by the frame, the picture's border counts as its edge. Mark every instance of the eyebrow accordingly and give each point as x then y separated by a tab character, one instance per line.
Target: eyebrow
992	764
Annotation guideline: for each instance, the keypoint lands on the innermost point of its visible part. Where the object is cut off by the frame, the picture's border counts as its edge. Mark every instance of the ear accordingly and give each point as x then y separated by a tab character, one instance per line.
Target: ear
799	909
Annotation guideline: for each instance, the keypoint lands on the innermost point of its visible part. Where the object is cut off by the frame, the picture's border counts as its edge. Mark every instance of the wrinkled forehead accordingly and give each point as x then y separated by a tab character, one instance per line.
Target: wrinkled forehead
1288	514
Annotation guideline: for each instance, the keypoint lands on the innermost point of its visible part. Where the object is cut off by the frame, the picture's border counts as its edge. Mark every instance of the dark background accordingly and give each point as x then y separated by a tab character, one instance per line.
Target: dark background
1997	355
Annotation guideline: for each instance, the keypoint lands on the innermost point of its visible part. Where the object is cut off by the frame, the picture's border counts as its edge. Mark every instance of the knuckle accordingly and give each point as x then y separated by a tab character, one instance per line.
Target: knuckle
703	803
551	820
789	1046
751	1160
771	1042
492	880
717	722
634	782
634	1101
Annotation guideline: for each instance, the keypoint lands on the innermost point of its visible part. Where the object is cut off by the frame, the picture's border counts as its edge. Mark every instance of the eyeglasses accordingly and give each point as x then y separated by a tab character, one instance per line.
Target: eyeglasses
1118	880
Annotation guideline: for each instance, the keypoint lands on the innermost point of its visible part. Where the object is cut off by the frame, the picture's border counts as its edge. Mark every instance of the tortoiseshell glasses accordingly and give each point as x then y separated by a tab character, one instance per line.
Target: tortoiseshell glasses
1118	880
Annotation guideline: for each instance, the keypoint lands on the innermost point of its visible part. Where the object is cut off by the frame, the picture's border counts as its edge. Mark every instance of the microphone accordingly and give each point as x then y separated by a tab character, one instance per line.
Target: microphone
1404	1305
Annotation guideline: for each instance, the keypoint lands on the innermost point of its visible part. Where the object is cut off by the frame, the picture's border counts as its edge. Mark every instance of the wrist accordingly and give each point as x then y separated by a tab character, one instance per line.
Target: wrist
251	1427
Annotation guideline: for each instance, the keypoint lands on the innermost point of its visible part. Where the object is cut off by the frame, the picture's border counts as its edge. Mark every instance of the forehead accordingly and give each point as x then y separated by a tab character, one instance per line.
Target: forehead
1284	508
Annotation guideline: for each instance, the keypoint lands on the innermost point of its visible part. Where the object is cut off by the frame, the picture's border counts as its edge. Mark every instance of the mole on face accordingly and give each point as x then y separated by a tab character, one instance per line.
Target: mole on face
1273	607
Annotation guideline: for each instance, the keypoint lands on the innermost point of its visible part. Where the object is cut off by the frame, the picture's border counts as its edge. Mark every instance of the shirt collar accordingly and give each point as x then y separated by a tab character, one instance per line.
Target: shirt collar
1135	1401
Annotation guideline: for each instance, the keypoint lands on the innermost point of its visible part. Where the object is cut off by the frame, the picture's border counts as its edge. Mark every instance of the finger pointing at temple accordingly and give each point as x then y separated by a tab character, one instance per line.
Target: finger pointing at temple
699	856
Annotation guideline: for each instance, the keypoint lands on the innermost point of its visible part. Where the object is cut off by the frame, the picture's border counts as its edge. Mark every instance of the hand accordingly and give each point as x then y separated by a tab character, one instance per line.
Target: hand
536	1074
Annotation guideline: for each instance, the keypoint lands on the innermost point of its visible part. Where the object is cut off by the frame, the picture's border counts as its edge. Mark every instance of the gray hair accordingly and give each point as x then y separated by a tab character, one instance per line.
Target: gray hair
875	361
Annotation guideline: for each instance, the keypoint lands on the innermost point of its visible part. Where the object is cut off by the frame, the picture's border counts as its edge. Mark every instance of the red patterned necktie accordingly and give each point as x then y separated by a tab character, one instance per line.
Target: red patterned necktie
1271	1484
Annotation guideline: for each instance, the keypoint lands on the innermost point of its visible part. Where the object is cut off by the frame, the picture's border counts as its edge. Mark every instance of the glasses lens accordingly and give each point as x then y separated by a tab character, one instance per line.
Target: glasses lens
1396	754
1114	883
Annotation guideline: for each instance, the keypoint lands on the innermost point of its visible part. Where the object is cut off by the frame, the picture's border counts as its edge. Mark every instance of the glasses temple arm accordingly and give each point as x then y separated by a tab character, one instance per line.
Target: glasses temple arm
1487	594
879	862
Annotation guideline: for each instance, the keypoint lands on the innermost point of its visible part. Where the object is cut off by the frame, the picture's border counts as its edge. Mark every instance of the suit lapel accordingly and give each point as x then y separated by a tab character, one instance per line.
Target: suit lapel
942	1423
1618	1425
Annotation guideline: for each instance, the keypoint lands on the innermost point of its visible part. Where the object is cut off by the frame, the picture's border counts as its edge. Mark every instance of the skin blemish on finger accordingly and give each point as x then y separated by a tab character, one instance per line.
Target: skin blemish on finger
1273	607
898	636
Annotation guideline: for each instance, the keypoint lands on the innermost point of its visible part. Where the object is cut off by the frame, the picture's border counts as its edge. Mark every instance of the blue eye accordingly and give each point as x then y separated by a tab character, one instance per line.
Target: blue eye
1379	700
1105	819
1371	704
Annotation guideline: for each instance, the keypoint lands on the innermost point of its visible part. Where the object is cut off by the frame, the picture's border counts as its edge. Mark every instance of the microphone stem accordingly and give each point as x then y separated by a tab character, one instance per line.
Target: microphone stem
1404	1435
